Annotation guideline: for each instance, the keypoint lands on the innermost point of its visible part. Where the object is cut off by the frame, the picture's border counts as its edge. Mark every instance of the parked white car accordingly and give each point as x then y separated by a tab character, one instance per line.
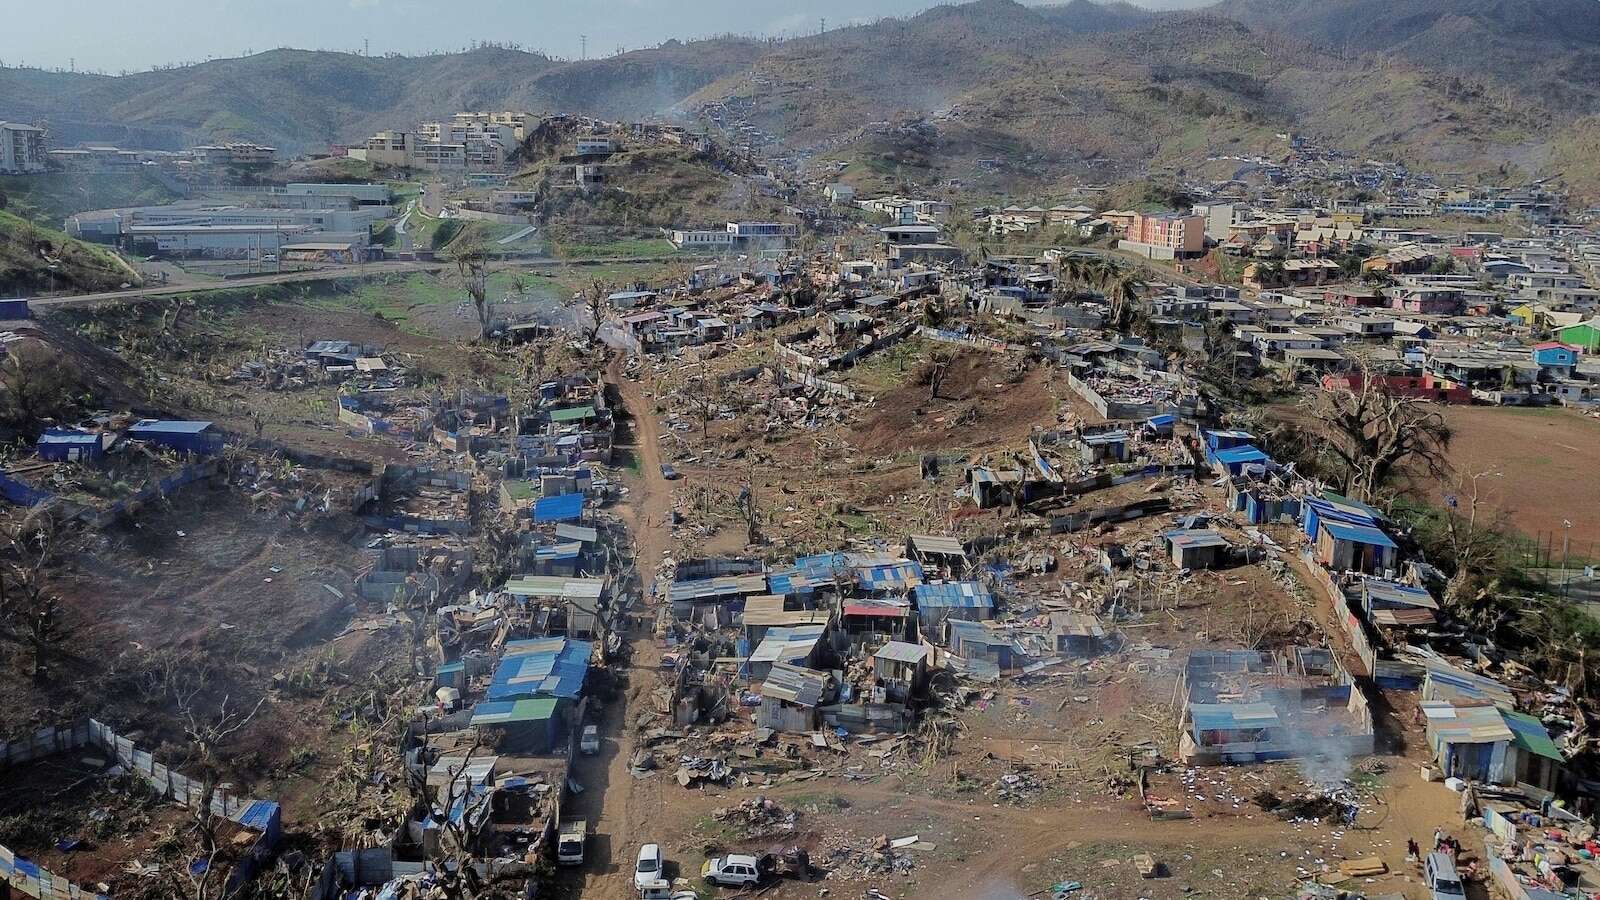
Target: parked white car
733	870
589	743
647	870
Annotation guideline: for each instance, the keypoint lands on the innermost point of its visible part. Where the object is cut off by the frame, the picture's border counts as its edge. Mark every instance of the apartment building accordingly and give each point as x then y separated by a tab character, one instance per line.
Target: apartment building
468	142
21	149
238	153
1165	235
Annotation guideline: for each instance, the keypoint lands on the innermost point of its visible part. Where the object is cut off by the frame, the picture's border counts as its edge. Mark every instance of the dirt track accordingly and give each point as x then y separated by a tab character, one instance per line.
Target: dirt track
619	808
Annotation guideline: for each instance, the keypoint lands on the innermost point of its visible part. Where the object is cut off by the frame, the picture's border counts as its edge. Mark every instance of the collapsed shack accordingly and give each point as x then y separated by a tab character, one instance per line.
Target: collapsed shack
1247	706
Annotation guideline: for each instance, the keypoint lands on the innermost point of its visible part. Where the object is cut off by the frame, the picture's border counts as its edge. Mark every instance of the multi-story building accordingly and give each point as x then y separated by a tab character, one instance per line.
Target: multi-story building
390	148
1165	235
596	146
21	149
469	141
95	158
237	153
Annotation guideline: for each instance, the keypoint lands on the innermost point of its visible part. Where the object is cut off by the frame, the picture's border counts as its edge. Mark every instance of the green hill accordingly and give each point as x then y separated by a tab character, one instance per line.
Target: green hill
302	100
35	260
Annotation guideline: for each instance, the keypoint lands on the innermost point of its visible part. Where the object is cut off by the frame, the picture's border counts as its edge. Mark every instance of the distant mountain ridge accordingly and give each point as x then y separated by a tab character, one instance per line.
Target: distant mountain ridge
1547	49
1042	92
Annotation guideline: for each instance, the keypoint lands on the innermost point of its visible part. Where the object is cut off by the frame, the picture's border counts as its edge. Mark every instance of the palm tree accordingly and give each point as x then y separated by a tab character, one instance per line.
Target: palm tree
1122	287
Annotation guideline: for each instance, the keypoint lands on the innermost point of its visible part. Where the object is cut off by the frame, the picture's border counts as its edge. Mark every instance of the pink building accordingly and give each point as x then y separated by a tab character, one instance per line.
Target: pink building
1182	234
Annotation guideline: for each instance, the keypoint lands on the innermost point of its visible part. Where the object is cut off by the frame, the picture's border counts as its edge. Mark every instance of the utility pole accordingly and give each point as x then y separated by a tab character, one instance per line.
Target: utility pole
583	42
1566	544
366	46
822	26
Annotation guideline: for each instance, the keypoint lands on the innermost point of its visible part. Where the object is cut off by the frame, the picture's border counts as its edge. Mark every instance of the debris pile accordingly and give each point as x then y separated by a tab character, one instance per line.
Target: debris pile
695	769
1335	807
758	817
1016	788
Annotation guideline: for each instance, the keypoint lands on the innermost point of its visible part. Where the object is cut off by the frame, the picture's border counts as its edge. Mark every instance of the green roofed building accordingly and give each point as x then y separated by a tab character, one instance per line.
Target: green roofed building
530	726
575	414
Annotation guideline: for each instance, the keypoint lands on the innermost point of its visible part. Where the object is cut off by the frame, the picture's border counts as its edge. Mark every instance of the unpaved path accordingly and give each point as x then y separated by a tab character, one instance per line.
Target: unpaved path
618	807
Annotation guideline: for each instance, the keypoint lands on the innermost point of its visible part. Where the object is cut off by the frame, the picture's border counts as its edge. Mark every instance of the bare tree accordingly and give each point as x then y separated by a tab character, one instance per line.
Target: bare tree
594	305
749	510
938	370
208	731
704	396
35	385
29	611
472	266
1372	434
1471	542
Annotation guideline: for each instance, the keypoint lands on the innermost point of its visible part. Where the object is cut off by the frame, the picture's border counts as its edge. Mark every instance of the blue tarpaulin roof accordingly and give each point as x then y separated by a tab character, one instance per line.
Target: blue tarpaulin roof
1248	453
822	566
543	673
260	815
968	594
887	576
168	426
563	508
1163	420
1360	534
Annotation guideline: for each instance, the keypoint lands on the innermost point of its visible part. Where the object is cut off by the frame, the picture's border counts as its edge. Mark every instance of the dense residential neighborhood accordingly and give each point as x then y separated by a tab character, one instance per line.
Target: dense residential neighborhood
1007	451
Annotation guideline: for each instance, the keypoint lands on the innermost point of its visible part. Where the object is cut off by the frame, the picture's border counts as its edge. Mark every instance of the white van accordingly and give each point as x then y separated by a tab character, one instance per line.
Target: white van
1440	875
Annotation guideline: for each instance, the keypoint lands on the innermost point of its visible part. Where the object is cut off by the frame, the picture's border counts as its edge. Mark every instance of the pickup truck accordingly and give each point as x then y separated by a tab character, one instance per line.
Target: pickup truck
569	844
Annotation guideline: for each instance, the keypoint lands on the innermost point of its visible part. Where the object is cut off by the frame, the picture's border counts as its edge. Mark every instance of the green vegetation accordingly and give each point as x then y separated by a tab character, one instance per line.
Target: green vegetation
51	198
623	248
34	259
445	233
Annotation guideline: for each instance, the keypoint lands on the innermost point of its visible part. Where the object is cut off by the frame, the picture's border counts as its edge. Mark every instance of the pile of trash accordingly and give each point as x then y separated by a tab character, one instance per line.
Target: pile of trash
758	818
694	769
1016	788
881	857
1335	806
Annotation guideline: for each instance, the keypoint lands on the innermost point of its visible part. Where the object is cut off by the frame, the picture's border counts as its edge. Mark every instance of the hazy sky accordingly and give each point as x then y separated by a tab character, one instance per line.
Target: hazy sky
112	35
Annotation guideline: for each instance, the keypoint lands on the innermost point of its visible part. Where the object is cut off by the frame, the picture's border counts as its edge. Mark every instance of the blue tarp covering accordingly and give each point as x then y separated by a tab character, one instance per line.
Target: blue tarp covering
821	567
544	673
887	576
967	594
1232	716
1234	456
1360	534
564	508
262	815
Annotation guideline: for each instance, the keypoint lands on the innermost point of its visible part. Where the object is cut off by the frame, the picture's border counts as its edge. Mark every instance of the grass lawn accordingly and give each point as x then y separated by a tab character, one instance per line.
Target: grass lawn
631	248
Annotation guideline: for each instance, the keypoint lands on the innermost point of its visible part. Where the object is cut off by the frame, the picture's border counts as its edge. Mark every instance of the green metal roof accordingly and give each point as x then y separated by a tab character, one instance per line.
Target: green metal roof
576	414
1529	735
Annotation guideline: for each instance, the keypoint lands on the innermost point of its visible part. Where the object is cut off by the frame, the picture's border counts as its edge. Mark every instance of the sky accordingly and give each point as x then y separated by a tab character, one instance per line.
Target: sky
117	35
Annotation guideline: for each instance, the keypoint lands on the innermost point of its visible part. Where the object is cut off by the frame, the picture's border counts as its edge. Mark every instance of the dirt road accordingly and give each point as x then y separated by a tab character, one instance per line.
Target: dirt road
618	807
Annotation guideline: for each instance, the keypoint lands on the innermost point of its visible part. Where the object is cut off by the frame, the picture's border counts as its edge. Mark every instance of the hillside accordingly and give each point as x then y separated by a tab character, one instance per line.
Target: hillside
645	186
302	100
1548	50
35	260
993	93
1005	97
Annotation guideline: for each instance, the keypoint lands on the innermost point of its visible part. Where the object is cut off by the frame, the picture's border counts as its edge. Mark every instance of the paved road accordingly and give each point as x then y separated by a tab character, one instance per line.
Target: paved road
333	273
311	275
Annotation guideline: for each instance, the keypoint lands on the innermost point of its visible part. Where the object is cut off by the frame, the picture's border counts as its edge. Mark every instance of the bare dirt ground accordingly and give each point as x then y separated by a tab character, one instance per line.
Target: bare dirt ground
1068	733
984	401
1543	457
